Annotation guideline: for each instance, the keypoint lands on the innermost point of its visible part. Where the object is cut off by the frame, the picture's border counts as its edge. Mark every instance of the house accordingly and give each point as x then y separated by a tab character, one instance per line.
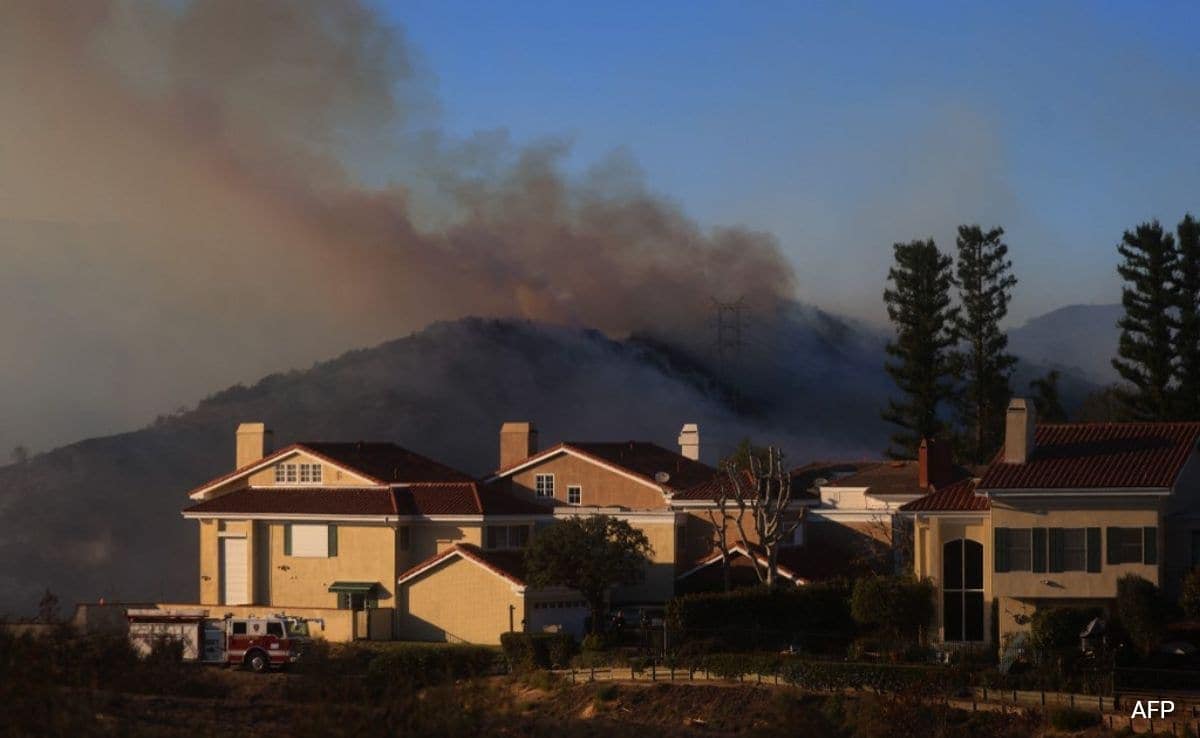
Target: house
1061	513
857	518
377	541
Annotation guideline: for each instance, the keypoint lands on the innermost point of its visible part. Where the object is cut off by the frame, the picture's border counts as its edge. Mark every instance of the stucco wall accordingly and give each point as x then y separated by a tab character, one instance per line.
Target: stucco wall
601	487
1099	513
331	476
659	584
459	601
366	553
931	533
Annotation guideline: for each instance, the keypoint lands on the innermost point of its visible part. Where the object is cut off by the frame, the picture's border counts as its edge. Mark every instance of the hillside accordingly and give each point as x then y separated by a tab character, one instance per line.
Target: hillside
1078	337
101	517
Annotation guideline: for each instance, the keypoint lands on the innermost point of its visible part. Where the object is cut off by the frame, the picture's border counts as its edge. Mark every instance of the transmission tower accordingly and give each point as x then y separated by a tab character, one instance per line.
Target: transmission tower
728	340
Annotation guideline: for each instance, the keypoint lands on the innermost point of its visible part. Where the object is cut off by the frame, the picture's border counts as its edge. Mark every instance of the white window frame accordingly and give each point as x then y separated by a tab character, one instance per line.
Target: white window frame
543	485
577	490
302	473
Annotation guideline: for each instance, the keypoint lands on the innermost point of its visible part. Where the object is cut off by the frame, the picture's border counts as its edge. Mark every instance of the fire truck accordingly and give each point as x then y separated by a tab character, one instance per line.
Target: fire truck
255	643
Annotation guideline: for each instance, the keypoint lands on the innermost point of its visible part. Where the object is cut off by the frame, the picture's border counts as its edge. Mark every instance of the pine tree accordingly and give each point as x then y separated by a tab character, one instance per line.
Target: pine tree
1187	337
918	304
1145	350
1046	400
984	366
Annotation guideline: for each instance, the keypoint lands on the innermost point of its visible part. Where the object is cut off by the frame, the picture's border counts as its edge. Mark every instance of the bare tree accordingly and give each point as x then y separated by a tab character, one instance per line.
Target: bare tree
720	517
19	455
763	493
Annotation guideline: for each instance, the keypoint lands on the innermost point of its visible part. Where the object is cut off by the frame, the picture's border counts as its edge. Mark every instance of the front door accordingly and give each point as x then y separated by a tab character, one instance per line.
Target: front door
234	589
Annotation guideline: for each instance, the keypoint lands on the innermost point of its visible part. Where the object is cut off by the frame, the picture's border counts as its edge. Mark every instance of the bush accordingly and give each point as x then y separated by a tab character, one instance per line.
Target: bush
417	665
1072	719
1142	612
607	692
531	651
899	606
816	616
1055	630
1189	596
594	642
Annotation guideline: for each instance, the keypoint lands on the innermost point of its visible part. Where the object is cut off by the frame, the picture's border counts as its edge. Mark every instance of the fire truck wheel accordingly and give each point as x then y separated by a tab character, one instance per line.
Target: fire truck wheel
257	662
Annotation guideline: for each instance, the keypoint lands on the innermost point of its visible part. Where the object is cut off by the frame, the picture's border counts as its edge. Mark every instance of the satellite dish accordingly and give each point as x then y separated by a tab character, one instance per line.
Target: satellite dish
662	477
820	482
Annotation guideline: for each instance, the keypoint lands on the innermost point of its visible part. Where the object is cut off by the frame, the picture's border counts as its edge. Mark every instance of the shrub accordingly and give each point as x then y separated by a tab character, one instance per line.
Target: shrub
758	617
1056	629
1072	719
530	651
420	664
900	606
607	692
1141	610
1189	596
593	642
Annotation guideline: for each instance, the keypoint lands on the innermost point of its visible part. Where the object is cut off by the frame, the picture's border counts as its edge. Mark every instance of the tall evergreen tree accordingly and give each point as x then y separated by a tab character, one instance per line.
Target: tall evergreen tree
984	366
918	304
1146	347
1046	400
1187	337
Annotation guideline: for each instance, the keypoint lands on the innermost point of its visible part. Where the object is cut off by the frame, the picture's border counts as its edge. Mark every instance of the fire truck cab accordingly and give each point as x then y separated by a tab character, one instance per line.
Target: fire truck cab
257	643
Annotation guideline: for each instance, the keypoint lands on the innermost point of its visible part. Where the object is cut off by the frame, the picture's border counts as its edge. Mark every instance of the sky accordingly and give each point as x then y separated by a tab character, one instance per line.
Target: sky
201	192
845	127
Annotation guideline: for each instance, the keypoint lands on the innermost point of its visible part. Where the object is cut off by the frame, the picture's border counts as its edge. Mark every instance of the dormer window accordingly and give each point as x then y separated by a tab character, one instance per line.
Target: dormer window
544	485
297	474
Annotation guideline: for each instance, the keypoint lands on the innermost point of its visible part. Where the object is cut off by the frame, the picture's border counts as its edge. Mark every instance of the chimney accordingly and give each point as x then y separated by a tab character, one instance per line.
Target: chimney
518	441
934	466
254	441
1019	423
689	441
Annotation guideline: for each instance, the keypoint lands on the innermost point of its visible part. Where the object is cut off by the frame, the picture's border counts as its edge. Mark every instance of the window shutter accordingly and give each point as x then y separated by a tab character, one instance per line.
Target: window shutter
1150	545
1000	539
1111	537
1039	548
1093	549
332	540
1056	549
343	600
287	539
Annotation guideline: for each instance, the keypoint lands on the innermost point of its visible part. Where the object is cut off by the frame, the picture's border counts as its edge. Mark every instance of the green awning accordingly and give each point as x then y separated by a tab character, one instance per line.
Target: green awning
354	587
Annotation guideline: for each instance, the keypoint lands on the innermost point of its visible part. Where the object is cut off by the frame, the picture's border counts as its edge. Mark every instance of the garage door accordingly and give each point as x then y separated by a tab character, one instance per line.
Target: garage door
233	572
558	617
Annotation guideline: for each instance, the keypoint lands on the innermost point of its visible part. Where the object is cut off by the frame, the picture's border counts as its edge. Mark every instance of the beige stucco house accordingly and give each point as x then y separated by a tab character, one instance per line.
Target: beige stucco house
376	541
1057	518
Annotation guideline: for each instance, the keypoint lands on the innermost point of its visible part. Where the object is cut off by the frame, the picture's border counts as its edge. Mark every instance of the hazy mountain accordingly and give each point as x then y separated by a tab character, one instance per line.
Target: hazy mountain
101	517
1079	337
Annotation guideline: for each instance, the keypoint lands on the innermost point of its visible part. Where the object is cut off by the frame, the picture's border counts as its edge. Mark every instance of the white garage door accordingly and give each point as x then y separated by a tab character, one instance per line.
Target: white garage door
233	572
558	617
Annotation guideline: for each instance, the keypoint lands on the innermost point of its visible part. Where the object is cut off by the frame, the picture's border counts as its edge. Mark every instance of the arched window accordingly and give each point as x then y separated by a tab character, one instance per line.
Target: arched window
962	590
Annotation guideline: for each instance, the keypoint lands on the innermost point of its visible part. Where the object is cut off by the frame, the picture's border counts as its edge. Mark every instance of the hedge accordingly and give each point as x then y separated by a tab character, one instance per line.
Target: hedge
420	664
818	615
530	651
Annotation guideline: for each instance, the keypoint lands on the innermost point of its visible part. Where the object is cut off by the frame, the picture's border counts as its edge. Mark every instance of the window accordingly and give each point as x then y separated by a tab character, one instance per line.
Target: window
544	484
507	536
574	494
275	629
962	590
302	473
1014	549
1074	549
239	629
311	541
1133	545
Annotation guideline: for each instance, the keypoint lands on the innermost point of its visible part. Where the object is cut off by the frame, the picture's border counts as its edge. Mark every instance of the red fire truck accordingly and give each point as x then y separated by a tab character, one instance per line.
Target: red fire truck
256	643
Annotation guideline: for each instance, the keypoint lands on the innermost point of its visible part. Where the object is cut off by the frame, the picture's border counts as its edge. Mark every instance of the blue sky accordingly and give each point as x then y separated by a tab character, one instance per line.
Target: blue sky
844	127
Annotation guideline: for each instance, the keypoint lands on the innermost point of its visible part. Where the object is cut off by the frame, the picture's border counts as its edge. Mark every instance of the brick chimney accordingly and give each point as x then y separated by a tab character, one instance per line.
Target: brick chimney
518	441
934	467
689	441
254	441
1019	424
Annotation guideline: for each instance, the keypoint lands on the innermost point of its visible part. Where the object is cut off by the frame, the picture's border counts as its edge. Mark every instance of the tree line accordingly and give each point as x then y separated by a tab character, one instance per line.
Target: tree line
949	357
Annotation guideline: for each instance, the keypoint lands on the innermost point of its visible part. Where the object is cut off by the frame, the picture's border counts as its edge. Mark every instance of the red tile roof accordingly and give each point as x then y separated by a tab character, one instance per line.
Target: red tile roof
1099	455
640	458
386	462
802	564
892	477
306	501
456	498
959	496
711	489
509	564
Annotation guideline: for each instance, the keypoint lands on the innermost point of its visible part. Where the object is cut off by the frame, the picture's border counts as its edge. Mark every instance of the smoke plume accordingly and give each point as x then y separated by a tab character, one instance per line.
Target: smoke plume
197	195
